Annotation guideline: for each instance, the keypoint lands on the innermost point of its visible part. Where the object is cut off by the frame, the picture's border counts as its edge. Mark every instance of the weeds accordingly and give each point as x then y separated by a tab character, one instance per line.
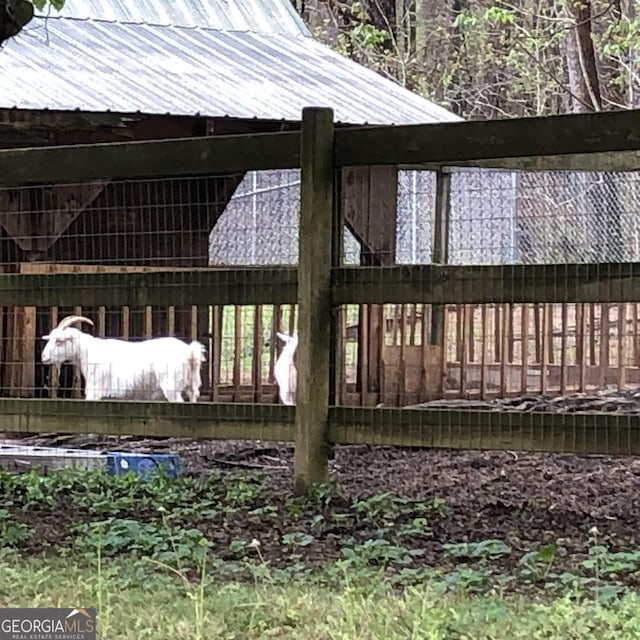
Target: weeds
536	565
188	523
12	533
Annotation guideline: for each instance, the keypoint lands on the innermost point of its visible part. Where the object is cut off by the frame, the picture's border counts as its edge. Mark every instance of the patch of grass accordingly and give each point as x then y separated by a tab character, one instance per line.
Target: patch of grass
219	557
158	604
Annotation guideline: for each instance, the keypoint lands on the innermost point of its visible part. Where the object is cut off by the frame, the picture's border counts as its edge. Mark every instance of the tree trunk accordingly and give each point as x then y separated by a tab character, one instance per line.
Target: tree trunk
421	26
584	81
434	42
402	37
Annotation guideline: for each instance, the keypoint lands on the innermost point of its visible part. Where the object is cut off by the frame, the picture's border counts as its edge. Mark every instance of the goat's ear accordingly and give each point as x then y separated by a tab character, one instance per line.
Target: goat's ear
283	337
46	337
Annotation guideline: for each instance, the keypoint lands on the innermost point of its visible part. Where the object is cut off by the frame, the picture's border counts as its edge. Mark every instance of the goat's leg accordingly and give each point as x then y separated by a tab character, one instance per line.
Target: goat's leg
91	389
190	383
170	393
170	389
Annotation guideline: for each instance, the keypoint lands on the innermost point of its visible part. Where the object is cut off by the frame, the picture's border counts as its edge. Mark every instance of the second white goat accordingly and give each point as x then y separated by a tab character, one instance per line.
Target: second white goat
155	369
285	371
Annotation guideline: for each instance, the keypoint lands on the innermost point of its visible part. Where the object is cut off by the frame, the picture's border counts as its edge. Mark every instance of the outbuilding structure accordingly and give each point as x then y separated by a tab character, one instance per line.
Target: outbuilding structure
110	71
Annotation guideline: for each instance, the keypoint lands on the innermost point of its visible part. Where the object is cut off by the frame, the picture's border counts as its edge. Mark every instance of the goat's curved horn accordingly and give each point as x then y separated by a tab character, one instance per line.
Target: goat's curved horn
71	320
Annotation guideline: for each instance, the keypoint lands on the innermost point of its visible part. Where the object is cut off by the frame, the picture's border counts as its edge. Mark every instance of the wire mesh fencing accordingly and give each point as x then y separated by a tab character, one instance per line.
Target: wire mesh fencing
523	217
468	241
404	354
151	222
241	346
133	226
388	354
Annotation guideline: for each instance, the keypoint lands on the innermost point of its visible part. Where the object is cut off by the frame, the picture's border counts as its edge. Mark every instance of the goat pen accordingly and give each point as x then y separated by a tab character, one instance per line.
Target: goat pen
441	298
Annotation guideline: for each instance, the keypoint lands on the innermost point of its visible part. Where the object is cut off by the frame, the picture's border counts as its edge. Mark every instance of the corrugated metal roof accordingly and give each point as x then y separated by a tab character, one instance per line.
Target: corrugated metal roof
94	65
259	16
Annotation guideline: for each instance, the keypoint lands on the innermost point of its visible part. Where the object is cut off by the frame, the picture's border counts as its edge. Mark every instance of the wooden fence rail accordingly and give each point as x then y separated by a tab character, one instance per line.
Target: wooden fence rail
547	138
158	158
463	429
550	139
431	284
160	287
443	284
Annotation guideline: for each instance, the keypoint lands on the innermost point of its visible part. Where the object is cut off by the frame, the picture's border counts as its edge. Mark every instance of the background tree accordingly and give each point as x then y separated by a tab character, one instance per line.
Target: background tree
488	59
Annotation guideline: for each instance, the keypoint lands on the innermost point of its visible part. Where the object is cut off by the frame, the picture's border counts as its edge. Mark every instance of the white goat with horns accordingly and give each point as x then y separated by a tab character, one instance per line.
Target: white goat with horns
147	370
285	371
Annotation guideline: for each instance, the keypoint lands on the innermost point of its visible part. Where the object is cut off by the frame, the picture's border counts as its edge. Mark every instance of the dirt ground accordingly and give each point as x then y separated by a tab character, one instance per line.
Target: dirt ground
526	498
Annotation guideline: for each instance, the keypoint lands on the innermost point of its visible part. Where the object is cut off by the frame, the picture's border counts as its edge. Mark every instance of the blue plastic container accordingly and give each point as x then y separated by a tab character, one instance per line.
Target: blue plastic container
142	464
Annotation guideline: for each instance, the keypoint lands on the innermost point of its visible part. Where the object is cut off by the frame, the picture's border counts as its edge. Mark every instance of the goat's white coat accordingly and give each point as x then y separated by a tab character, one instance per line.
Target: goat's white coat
156	369
285	371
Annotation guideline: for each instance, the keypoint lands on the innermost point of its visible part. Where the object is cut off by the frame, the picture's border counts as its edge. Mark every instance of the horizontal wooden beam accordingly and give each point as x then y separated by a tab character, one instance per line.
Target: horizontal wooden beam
605	161
586	433
163	288
553	142
52	119
453	142
231	421
435	284
149	159
611	282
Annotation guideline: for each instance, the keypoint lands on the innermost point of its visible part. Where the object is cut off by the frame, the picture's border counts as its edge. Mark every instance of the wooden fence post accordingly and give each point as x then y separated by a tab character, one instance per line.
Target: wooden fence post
440	255
314	299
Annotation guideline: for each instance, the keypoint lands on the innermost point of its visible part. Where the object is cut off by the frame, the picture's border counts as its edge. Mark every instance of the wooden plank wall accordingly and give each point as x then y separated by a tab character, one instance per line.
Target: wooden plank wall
547	348
500	350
